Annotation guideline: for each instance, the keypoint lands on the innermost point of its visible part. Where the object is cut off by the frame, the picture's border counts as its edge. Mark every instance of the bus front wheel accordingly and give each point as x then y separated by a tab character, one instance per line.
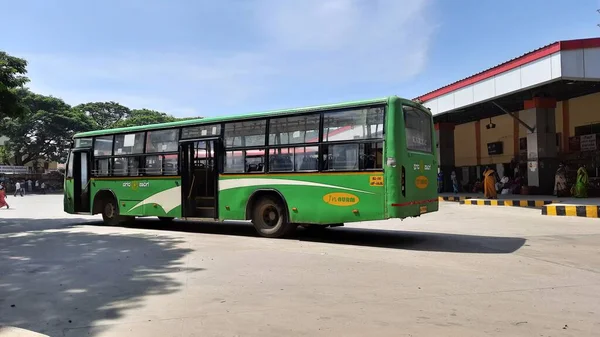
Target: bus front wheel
110	213
269	218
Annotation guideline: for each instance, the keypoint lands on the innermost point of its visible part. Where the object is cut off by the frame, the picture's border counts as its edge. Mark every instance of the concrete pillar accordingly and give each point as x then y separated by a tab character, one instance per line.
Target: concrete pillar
444	135
542	157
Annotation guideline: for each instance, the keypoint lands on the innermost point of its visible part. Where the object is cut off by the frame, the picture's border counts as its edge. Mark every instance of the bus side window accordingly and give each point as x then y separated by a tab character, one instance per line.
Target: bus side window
370	155
120	167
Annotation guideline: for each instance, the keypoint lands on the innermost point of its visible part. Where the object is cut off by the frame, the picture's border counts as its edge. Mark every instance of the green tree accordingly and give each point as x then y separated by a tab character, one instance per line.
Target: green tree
12	71
145	117
105	115
4	156
44	130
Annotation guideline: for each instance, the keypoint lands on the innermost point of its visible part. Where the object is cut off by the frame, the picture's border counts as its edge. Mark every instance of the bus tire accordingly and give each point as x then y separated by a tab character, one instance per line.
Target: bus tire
165	219
269	218
110	213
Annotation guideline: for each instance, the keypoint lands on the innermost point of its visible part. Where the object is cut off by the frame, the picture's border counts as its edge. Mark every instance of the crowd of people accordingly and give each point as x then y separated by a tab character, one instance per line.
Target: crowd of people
20	188
491	185
561	184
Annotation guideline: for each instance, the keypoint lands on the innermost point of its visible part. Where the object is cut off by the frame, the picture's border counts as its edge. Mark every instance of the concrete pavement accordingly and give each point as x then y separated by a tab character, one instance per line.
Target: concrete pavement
459	272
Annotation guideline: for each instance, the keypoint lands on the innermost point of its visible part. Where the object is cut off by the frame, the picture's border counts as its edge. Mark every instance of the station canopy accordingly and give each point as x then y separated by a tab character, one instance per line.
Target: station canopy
560	70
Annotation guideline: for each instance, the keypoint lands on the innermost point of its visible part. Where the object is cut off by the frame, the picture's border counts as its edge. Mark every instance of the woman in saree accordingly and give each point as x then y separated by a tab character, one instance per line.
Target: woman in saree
3	197
579	190
560	181
489	183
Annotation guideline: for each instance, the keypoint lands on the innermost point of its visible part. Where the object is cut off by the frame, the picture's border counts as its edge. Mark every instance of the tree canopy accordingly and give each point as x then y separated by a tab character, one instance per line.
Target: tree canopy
12	77
145	117
41	127
44	130
105	115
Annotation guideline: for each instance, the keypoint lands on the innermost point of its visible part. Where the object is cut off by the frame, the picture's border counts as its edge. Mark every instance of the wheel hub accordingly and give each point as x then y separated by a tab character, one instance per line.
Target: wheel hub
109	210
270	216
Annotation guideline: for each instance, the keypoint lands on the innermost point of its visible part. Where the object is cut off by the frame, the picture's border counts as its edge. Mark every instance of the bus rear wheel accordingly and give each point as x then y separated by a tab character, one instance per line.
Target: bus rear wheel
269	218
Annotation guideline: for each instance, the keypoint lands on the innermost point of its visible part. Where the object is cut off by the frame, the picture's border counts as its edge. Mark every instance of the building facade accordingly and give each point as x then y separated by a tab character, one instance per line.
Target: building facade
529	113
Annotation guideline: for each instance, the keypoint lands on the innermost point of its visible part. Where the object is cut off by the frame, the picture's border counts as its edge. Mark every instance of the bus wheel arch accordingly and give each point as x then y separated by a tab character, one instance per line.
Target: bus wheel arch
272	202
100	199
106	203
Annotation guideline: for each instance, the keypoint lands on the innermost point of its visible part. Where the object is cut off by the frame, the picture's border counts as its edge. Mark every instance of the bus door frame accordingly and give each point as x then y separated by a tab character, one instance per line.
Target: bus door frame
81	188
187	167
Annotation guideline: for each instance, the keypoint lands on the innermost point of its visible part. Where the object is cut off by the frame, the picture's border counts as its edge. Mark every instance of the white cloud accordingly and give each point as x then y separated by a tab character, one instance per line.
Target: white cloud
325	44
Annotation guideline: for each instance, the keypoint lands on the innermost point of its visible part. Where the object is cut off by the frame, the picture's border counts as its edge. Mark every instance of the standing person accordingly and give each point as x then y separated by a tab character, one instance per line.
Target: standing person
43	186
37	185
579	190
440	180
3	196
29	186
489	183
560	181
454	182
18	188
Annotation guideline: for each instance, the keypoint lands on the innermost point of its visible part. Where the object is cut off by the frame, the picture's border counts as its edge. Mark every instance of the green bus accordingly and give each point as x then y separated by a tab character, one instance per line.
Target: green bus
314	167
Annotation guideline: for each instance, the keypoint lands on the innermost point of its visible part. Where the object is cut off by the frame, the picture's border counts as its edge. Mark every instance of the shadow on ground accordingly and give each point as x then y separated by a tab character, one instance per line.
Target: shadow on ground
53	276
393	239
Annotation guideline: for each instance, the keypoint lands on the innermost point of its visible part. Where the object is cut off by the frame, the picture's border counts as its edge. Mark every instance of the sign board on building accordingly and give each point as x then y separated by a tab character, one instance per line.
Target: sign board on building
495	148
588	142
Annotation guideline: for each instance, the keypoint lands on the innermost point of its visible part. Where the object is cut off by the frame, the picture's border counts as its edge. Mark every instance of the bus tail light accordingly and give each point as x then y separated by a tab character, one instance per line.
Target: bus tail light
403	181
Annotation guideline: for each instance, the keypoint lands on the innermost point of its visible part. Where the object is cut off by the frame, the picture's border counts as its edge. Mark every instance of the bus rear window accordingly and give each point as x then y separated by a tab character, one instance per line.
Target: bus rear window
418	129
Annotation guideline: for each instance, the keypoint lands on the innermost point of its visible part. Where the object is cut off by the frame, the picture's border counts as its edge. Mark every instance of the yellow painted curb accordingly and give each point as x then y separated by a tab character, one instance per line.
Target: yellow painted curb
451	198
586	211
515	203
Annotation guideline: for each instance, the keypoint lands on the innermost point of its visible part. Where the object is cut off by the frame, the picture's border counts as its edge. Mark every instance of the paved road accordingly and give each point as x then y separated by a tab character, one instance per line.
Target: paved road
464	271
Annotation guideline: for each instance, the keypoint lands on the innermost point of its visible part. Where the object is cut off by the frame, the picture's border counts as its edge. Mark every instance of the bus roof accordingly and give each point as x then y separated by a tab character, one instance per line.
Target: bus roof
210	120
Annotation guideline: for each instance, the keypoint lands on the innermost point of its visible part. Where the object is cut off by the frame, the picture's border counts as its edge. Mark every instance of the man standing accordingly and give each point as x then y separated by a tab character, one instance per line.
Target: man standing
18	188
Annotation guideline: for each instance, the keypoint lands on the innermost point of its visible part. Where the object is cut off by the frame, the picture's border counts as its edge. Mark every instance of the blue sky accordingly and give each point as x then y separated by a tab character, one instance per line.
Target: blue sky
208	58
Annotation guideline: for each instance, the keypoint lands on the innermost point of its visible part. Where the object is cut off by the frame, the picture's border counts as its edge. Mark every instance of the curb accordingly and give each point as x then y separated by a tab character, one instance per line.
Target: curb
515	203
586	211
452	198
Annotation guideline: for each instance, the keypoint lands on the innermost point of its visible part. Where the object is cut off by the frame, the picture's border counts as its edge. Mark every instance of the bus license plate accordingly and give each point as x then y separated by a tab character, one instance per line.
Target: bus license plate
423	209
